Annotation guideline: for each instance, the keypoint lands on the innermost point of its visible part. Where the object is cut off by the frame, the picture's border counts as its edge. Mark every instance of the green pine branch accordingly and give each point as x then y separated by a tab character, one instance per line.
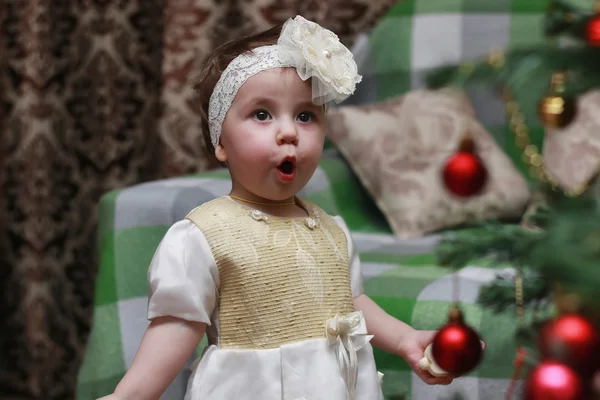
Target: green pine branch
499	296
563	19
524	68
495	242
570	253
565	250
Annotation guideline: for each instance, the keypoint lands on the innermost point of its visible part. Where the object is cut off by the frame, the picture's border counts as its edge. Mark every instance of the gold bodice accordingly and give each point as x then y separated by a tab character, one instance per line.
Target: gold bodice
280	278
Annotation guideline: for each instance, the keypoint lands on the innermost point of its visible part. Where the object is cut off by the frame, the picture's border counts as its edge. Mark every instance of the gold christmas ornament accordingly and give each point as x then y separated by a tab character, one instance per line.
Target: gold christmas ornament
557	110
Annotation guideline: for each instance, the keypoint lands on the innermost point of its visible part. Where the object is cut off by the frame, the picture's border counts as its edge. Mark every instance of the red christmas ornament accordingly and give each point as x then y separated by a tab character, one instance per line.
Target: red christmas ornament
552	380
456	347
572	340
593	31
465	174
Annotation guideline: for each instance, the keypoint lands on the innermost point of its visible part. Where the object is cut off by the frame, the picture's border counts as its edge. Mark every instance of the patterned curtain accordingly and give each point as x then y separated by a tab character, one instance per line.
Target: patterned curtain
94	96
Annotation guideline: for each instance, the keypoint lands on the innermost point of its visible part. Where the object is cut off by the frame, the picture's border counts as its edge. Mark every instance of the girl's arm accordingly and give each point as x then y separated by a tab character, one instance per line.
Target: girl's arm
387	331
166	346
394	336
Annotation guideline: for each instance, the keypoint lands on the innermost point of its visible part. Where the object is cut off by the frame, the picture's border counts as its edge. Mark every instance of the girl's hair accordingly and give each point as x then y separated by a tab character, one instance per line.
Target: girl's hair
215	65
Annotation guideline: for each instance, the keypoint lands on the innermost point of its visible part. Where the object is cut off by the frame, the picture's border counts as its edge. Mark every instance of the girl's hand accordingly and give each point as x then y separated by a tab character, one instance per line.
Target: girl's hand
412	349
110	397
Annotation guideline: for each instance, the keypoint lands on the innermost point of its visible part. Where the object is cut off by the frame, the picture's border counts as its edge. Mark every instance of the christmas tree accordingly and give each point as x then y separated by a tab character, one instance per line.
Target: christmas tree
555	289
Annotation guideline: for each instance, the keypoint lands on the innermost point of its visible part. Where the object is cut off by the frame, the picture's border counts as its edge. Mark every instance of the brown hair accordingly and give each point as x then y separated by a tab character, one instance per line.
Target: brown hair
214	66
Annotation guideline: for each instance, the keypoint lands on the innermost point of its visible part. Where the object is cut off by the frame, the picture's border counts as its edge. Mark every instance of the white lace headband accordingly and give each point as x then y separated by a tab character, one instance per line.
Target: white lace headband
312	50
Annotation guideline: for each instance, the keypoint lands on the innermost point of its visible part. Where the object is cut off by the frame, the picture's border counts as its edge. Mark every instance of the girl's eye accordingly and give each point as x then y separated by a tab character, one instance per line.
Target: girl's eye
262	115
305	116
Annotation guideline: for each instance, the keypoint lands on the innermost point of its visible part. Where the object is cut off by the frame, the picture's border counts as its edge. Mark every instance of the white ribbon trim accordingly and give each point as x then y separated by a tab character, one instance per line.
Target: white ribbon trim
349	334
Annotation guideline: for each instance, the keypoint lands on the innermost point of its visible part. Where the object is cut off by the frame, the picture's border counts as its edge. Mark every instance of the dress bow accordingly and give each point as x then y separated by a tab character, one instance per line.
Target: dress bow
349	334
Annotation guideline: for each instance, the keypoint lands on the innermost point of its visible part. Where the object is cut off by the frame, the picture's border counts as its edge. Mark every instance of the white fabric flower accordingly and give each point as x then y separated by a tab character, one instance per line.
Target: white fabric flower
317	52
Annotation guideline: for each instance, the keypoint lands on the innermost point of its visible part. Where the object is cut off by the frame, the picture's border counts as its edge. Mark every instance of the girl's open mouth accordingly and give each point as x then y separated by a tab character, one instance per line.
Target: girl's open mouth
287	170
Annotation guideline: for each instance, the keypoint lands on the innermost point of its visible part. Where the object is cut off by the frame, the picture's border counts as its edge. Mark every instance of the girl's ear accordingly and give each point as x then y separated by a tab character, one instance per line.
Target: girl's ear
220	153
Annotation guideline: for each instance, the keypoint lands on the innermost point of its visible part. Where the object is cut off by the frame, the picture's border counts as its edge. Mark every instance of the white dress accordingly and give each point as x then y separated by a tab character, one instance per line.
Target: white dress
185	280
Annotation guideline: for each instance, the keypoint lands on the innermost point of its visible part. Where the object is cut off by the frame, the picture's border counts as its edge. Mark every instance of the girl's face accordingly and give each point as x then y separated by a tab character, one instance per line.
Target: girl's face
272	137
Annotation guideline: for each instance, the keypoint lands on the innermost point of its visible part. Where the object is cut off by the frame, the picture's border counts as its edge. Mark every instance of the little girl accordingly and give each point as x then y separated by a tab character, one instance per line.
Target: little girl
272	279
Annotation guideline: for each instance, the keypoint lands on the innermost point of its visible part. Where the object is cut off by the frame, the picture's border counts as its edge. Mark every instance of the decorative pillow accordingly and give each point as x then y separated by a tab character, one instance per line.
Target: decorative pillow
572	154
398	148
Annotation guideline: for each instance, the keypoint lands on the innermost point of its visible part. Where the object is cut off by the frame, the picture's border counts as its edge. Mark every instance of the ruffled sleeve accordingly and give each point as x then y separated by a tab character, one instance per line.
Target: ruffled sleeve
183	277
356	278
